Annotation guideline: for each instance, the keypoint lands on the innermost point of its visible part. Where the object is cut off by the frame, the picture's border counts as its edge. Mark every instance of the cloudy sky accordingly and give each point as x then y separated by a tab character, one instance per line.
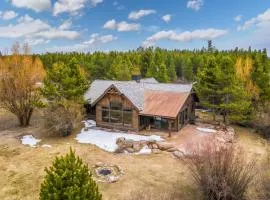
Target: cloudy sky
90	25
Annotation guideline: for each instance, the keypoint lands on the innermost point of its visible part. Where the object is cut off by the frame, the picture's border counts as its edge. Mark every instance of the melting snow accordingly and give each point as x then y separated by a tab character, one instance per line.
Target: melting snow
208	130
46	146
145	150
107	140
89	123
30	140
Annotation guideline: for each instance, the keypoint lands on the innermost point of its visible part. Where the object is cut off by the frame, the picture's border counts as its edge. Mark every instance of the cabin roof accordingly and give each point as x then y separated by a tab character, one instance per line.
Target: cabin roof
166	104
143	94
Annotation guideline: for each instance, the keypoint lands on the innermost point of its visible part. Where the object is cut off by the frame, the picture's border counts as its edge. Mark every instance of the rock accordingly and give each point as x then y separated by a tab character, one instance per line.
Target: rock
156	151
155	146
172	149
123	143
130	150
137	146
112	179
164	146
178	154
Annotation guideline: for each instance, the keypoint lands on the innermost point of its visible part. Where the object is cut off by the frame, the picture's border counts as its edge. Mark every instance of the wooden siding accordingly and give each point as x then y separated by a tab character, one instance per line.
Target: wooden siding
105	102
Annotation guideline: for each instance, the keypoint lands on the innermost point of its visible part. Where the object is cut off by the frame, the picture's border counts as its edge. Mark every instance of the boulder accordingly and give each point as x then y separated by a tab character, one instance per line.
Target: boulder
123	143
164	146
178	154
137	146
130	150
155	146
173	149
156	151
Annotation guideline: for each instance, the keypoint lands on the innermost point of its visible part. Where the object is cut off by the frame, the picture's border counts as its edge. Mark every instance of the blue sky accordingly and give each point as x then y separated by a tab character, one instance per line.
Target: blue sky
90	25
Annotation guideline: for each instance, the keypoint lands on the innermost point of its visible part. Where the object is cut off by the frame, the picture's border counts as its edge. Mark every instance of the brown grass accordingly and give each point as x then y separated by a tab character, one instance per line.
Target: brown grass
22	168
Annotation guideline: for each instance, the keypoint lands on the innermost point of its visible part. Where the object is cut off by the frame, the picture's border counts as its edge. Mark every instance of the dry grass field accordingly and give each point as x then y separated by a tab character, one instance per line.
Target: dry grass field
22	167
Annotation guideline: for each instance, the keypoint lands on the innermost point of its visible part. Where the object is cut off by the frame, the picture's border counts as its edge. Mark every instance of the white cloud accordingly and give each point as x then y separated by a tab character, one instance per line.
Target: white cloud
36	5
72	6
8	15
261	20
195	4
93	43
54	33
69	6
35	42
121	26
238	18
134	15
94	3
30	28
167	18
201	34
66	25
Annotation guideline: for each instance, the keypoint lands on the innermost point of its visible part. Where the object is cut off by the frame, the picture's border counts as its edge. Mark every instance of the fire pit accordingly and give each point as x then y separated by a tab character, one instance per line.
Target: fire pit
106	173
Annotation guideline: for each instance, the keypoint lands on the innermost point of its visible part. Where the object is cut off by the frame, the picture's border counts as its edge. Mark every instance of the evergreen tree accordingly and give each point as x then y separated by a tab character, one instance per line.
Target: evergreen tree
69	179
188	70
146	59
120	69
235	101
65	81
208	84
171	69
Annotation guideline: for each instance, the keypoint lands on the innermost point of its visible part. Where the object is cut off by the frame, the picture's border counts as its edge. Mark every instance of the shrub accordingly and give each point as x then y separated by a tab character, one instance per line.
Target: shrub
69	178
62	118
220	173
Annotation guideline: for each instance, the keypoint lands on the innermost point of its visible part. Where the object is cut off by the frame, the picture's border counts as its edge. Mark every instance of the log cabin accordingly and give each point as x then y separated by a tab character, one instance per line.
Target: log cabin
140	104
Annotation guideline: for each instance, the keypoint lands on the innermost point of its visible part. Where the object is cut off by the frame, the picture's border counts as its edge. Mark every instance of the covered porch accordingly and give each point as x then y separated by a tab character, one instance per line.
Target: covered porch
163	123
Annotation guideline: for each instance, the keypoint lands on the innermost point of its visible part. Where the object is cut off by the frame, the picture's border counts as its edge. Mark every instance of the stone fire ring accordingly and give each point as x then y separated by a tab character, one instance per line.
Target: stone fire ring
106	173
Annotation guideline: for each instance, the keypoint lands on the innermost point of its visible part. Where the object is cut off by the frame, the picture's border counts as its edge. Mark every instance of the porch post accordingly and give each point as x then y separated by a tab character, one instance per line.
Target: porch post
170	128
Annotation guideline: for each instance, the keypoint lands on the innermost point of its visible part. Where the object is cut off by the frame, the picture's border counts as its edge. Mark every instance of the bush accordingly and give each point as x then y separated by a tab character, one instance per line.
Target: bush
220	173
69	179
62	118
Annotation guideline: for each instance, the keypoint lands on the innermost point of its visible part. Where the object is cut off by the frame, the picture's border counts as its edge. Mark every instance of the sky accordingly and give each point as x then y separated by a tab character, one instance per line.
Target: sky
104	25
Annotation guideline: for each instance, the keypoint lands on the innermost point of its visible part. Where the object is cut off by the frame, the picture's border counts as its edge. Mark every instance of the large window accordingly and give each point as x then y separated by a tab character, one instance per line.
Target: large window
105	114
127	117
115	113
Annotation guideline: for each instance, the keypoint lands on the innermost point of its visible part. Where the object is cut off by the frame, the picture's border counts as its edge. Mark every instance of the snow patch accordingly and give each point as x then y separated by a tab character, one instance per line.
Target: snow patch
30	140
145	150
207	130
89	123
46	146
107	140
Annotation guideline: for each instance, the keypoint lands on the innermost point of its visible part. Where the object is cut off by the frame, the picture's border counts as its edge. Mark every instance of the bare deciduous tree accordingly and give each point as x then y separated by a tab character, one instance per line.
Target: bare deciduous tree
20	76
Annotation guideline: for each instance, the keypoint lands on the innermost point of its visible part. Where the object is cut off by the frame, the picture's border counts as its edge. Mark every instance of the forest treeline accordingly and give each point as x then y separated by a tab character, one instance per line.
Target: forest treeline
234	83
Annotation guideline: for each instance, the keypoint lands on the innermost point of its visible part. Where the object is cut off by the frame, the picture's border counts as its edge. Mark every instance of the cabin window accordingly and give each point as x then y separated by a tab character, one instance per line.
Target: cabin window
116	116
115	105
115	113
127	117
105	114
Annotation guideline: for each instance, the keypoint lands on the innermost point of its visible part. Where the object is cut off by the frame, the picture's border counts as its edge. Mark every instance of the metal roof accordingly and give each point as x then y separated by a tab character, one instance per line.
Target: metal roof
165	104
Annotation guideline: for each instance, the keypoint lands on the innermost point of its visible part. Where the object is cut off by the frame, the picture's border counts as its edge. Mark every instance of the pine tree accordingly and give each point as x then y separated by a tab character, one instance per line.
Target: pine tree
188	70
65	81
171	69
235	101
69	179
120	69
208	84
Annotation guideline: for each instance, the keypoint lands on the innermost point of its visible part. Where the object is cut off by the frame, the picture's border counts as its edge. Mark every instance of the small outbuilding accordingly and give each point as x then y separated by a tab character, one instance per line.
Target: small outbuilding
140	104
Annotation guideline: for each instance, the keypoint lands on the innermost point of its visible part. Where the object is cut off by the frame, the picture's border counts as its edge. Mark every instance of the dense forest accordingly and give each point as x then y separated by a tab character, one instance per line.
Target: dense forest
234	83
